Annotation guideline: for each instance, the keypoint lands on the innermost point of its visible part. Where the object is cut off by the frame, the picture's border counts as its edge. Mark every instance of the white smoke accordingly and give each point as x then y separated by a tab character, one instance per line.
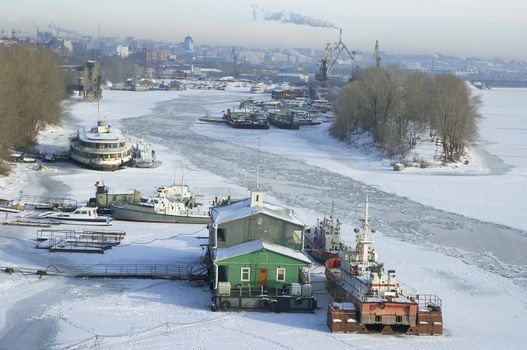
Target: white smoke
291	17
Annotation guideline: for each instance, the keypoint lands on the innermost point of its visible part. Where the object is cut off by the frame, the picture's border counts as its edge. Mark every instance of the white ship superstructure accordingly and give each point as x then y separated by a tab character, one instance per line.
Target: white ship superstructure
101	147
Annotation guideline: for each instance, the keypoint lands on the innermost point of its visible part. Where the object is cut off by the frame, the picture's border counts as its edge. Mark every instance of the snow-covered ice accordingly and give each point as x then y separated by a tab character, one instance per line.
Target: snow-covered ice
434	251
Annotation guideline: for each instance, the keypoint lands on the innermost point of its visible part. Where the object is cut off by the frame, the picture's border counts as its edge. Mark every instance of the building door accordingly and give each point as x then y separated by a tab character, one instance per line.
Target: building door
262	277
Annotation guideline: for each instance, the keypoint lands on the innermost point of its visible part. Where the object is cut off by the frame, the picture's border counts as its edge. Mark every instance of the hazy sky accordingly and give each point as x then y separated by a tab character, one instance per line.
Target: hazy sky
489	28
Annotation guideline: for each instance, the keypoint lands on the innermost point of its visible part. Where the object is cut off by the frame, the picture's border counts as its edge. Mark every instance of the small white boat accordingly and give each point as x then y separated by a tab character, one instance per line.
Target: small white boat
144	155
6	209
81	216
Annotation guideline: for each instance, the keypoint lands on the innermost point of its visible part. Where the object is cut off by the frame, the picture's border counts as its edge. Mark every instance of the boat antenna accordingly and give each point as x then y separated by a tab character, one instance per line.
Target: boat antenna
366	218
332	207
258	165
98	118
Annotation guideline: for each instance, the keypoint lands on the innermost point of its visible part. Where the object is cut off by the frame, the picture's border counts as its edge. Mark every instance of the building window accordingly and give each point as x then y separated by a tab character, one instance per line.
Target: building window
221	234
246	274
280	274
222	274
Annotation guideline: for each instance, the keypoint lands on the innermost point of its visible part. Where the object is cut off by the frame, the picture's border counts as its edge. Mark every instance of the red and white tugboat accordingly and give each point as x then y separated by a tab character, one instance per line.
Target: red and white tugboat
369	299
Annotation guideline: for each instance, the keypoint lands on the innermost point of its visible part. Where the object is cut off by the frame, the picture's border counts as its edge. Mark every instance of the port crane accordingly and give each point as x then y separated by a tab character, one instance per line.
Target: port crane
332	53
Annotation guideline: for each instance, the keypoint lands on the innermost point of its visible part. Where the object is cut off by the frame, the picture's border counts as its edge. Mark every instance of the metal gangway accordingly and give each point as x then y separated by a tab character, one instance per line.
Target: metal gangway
142	271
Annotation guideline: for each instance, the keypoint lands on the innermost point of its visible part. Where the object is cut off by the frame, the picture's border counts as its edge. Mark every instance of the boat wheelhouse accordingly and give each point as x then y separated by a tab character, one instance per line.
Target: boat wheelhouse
323	241
101	147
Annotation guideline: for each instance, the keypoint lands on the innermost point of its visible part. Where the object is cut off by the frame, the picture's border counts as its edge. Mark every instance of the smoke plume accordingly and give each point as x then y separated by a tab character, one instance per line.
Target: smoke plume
291	17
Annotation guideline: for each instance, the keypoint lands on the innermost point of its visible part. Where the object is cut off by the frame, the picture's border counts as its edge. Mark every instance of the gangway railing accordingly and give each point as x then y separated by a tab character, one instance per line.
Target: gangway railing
149	271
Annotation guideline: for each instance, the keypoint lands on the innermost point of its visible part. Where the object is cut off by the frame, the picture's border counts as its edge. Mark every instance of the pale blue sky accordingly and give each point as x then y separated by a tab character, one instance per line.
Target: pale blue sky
461	27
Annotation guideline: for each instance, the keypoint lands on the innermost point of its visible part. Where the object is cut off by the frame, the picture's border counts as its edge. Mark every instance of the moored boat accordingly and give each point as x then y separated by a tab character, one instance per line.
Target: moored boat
283	120
80	216
369	298
246	120
172	204
101	147
322	241
144	155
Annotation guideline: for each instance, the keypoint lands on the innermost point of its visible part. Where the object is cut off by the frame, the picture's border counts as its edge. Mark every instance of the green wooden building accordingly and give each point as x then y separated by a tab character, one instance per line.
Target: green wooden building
258	264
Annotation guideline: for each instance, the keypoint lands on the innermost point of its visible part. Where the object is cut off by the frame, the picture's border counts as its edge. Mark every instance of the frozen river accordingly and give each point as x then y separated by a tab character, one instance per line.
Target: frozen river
496	248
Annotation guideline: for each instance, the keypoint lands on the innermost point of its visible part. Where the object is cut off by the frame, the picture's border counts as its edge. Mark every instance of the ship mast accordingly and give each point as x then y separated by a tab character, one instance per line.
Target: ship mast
363	242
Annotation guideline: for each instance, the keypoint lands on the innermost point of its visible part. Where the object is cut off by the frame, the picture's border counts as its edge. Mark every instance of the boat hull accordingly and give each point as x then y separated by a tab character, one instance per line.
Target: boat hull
101	166
383	316
317	252
133	212
248	125
284	125
86	222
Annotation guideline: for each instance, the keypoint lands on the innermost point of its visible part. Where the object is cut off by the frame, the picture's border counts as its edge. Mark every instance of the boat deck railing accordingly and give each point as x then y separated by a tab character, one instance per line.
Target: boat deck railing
429	301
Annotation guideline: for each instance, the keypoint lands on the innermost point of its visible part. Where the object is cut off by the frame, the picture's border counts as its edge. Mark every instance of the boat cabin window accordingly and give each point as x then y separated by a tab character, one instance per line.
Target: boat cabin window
280	274
399	319
245	274
378	318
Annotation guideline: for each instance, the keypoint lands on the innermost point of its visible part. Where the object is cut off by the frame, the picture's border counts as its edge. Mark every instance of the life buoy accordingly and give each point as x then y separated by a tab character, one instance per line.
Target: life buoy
225	305
382	305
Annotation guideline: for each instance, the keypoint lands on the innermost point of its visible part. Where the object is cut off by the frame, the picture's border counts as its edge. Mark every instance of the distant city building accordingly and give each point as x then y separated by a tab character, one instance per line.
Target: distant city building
122	51
291	78
188	44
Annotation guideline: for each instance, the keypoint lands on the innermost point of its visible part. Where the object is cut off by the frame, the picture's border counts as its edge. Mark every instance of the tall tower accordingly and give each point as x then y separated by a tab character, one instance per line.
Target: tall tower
377	54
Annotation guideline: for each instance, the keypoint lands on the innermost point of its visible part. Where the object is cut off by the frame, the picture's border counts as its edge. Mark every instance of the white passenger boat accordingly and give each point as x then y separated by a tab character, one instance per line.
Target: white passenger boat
101	147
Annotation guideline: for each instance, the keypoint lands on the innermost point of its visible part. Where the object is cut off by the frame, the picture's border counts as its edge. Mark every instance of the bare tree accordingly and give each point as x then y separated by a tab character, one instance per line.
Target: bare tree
395	108
454	116
31	95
